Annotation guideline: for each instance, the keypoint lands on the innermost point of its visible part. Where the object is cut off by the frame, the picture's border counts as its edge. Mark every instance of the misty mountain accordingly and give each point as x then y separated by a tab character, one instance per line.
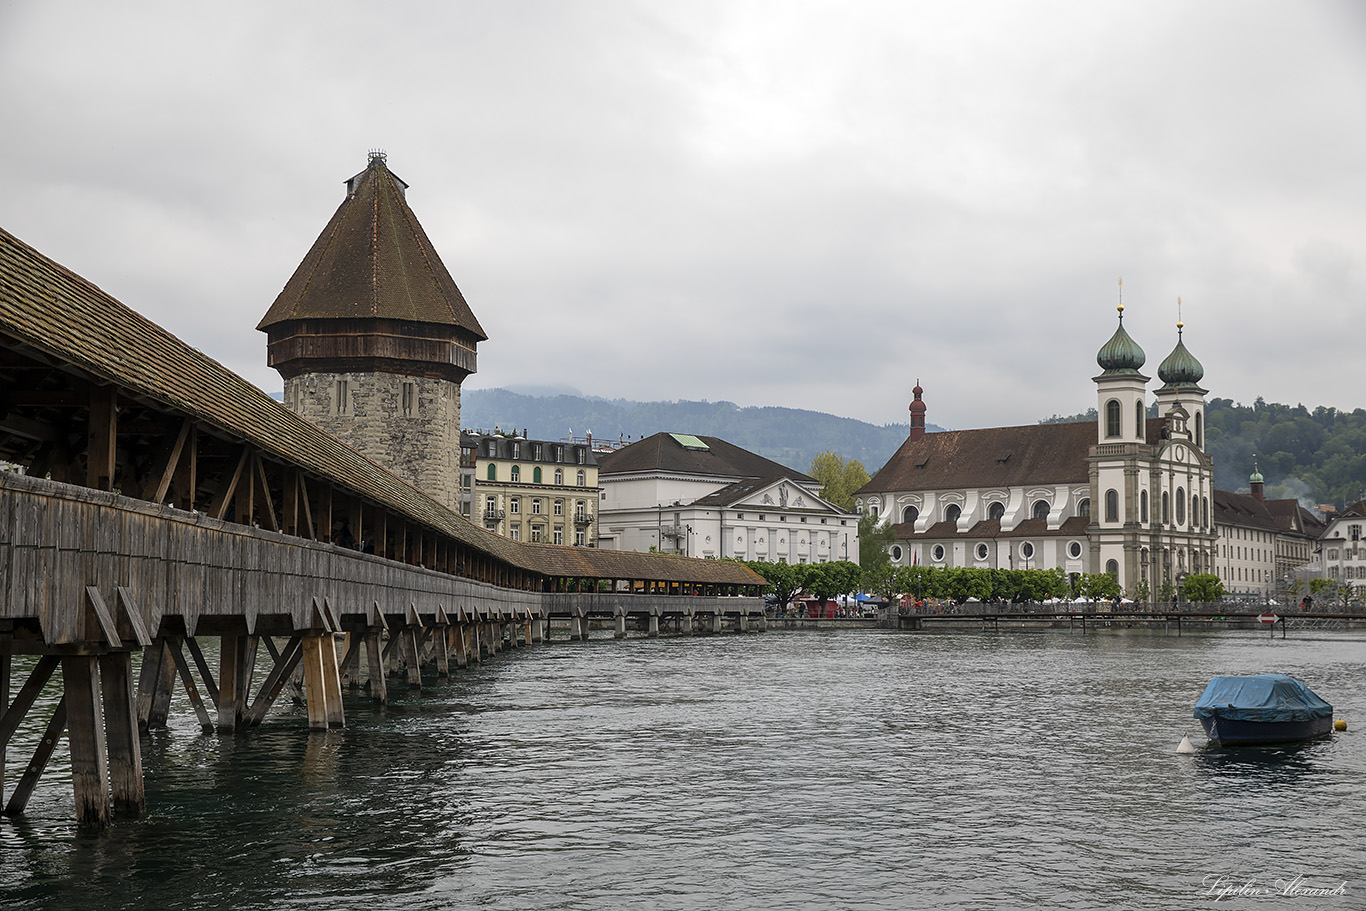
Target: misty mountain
789	436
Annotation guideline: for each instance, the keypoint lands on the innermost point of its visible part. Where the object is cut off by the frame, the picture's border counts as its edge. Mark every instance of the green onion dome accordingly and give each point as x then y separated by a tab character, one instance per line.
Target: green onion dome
1180	368
1121	353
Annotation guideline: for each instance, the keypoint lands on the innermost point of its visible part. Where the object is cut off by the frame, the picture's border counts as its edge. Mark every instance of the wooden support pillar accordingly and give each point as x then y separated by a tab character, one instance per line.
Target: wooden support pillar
578	625
154	685
121	733
742	621
315	687
374	653
654	623
236	664
441	635
336	716
413	656
461	642
716	621
85	724
476	648
4	706
620	632
685	623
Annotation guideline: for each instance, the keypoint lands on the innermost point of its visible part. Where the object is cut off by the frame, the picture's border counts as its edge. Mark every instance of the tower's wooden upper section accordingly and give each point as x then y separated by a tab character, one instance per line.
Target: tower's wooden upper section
372	294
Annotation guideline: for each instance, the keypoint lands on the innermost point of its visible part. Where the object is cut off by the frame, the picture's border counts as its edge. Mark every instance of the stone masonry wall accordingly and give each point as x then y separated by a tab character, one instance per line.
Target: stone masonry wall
420	442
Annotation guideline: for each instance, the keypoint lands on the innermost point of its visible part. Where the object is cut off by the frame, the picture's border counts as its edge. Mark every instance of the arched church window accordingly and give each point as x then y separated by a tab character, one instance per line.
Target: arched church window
1112	418
1084	508
1112	505
1195	510
1204	508
1112	567
1166	511
996	511
910	514
952	513
1138	420
1180	506
1041	509
1143	507
1199	430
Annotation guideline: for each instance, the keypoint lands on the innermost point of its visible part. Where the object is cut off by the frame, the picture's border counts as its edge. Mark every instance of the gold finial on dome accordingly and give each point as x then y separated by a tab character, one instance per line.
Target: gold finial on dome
1179	323
1120	308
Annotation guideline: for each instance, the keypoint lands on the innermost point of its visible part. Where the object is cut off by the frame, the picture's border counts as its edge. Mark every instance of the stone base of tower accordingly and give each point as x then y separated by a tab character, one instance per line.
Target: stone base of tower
408	424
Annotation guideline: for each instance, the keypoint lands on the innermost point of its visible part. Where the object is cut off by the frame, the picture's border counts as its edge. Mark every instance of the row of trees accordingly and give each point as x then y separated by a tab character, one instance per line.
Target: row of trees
960	584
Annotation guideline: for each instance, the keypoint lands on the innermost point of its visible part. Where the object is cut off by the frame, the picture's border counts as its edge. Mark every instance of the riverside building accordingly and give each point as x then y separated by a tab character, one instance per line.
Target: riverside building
541	491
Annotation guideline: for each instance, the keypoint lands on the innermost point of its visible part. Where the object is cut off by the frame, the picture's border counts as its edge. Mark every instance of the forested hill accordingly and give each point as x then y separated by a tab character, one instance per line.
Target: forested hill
1315	456
789	436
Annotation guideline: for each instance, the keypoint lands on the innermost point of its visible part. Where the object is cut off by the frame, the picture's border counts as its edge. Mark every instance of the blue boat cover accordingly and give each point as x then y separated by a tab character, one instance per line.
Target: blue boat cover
1262	697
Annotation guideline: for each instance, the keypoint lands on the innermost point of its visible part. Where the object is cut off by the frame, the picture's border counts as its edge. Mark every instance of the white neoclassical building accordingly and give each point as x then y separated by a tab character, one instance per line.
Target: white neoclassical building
704	497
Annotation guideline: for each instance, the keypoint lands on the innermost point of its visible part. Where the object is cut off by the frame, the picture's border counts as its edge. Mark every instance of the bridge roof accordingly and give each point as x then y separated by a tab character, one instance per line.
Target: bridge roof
56	312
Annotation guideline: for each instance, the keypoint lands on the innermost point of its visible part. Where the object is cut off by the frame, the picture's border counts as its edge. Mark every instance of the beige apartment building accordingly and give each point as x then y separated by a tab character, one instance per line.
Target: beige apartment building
541	491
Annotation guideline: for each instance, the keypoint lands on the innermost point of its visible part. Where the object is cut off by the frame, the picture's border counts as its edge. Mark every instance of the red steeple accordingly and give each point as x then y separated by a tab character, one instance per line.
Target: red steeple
917	414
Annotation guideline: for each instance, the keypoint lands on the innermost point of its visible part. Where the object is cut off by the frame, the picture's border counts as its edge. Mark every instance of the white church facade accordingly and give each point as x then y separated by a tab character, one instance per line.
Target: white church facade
1127	494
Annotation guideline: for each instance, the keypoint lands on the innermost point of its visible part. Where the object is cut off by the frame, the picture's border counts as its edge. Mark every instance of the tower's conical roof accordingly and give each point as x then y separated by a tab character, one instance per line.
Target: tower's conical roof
1180	368
1121	353
373	261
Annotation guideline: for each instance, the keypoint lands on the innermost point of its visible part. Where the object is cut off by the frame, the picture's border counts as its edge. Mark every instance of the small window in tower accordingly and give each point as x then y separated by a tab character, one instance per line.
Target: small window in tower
1112	418
409	399
343	398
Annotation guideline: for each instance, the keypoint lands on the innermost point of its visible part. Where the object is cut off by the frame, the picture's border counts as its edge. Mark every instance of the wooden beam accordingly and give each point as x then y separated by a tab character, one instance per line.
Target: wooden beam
102	437
24	699
285	664
308	530
164	467
29	780
267	503
187	680
219	507
187	471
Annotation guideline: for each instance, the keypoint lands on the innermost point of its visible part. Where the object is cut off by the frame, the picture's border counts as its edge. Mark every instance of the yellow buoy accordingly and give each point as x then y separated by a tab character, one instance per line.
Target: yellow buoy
1340	724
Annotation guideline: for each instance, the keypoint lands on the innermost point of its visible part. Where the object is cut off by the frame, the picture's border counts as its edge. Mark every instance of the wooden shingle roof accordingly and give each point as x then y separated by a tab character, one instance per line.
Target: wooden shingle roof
373	261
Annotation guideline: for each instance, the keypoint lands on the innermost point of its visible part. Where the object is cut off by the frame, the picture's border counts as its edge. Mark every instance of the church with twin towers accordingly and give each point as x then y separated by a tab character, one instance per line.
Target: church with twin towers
1127	494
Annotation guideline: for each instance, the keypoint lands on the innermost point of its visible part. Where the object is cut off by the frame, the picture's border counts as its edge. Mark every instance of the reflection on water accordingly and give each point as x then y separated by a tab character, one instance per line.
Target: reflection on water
851	769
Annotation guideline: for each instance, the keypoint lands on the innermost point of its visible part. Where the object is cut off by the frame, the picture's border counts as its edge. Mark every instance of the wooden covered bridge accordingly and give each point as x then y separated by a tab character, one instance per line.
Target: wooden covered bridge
159	498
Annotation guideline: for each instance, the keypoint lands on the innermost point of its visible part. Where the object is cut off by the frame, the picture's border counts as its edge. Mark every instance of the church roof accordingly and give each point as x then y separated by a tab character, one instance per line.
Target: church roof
992	457
373	261
678	453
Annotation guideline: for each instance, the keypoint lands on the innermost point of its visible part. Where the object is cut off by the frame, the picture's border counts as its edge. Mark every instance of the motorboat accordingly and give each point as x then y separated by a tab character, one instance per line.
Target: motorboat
1262	708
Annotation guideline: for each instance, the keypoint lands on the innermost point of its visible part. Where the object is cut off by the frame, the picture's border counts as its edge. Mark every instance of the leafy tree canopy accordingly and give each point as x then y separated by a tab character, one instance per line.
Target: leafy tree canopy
839	478
1202	588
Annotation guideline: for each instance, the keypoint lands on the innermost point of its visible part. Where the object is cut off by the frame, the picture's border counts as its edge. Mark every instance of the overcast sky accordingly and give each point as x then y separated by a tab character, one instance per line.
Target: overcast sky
805	204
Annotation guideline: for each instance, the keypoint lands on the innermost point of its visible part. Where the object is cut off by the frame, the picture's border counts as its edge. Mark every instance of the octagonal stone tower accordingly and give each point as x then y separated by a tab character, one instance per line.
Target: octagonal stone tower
373	338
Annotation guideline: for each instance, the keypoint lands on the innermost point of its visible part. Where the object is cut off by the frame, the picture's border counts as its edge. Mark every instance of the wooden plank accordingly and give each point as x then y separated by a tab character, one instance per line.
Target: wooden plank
336	716
5	668
315	689
379	688
267	503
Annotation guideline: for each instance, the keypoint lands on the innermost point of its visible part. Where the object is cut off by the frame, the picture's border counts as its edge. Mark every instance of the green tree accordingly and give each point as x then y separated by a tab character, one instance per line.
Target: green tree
839	478
874	538
785	580
1202	588
1099	587
827	580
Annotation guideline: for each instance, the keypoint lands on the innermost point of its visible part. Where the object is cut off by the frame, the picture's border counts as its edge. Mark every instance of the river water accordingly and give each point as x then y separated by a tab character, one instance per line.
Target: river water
851	769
